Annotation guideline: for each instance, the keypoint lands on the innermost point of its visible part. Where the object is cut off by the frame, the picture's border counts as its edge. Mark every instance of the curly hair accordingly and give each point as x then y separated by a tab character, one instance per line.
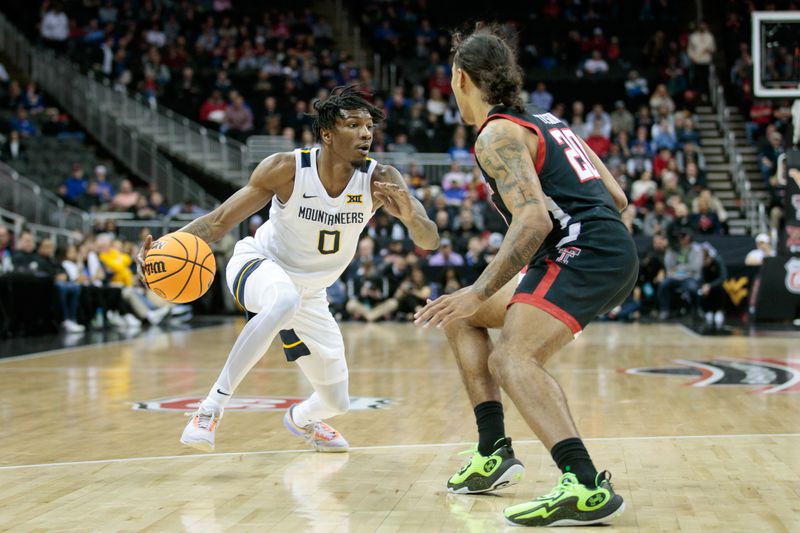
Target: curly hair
490	59
341	98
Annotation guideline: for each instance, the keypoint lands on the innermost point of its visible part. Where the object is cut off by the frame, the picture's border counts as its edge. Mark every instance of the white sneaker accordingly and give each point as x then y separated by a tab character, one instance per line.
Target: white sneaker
319	435
132	322
116	320
72	327
199	431
156	316
179	309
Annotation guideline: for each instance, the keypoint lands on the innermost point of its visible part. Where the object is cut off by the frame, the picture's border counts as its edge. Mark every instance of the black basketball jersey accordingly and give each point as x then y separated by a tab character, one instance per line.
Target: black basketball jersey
573	189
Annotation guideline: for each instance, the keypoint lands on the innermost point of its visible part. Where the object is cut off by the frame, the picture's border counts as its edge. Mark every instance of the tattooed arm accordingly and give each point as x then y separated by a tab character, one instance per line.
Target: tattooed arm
505	153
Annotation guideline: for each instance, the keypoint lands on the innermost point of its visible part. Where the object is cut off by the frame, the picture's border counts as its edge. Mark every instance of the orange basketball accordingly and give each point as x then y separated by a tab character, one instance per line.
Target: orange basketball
179	267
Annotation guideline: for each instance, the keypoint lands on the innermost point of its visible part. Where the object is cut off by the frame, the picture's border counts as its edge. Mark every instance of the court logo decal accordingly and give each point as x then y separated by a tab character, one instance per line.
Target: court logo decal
254	404
768	376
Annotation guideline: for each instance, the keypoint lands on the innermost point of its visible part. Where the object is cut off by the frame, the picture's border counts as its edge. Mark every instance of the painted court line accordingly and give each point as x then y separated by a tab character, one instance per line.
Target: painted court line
385	447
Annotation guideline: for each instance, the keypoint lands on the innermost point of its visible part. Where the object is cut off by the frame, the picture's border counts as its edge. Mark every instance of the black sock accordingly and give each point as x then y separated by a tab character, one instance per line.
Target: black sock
571	456
489	416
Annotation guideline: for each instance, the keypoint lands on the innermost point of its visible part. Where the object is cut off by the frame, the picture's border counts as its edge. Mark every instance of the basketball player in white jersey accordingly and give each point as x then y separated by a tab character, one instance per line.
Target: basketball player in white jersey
321	201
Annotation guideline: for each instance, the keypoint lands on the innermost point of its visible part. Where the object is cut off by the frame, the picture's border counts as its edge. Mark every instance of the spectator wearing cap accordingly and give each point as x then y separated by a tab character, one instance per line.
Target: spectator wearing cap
683	266
446	256
104	188
762	250
75	183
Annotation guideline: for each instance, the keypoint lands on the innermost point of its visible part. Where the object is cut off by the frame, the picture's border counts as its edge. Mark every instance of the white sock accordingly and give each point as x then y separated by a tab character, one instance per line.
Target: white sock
326	402
280	304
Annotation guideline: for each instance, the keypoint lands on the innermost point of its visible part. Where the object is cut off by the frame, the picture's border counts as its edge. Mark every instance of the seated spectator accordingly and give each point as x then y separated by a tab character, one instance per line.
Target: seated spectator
75	183
577	120
768	157
459	150
413	292
446	256
595	65
115	261
598	141
23	124
187	207
714	204
704	220
661	161
401	145
32	99
541	97
687	133
643	190
636	88
13	149
661	98
436	104
664	136
104	187
90	200
712	294
683	266
368	295
651	270
451	282
657	220
238	121
621	119
24	259
126	198
598	113
690	153
681	223
760	117
157	203
693	180
213	110
762	250
68	292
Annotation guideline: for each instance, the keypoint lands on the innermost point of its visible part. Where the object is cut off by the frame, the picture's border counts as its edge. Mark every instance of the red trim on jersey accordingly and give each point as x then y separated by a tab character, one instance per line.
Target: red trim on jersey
538	300
541	150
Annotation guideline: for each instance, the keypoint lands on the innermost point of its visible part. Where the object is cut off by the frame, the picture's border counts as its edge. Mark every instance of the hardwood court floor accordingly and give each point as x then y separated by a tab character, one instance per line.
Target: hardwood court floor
75	456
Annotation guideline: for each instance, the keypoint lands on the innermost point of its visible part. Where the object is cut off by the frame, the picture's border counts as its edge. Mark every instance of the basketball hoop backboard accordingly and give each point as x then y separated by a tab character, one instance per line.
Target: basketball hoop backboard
776	54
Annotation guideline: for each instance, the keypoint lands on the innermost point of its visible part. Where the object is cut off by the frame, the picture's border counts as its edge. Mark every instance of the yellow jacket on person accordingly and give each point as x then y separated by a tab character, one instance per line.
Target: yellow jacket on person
119	264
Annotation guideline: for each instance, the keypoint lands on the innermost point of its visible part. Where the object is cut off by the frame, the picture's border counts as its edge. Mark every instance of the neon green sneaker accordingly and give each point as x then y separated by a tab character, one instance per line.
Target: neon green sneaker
569	504
487	473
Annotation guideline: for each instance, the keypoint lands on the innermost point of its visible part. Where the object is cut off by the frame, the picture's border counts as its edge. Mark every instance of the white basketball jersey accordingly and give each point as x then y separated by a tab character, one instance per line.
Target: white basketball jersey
313	237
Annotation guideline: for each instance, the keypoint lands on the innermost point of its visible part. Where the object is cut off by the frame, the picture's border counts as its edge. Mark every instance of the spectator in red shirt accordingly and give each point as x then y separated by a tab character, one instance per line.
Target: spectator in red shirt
440	81
661	161
597	141
760	116
213	109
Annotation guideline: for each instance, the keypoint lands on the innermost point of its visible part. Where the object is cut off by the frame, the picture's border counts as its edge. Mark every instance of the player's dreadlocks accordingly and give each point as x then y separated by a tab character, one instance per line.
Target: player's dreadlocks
490	59
344	97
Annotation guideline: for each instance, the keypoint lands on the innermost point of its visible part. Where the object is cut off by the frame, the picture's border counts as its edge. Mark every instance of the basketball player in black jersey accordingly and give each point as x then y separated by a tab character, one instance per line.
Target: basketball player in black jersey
574	259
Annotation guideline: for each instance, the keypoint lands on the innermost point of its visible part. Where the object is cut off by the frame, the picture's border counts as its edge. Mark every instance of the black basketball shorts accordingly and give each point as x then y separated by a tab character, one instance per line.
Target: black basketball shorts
590	271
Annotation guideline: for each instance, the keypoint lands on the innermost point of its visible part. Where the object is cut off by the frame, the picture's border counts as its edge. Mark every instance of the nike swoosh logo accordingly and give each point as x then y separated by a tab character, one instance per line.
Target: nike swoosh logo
306	196
223	393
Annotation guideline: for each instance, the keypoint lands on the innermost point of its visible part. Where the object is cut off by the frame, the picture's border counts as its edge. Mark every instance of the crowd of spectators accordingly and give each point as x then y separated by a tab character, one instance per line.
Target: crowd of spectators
94	279
246	74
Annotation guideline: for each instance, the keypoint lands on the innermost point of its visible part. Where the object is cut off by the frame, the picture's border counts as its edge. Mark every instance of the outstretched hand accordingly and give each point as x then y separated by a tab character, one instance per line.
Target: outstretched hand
141	256
395	199
440	312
